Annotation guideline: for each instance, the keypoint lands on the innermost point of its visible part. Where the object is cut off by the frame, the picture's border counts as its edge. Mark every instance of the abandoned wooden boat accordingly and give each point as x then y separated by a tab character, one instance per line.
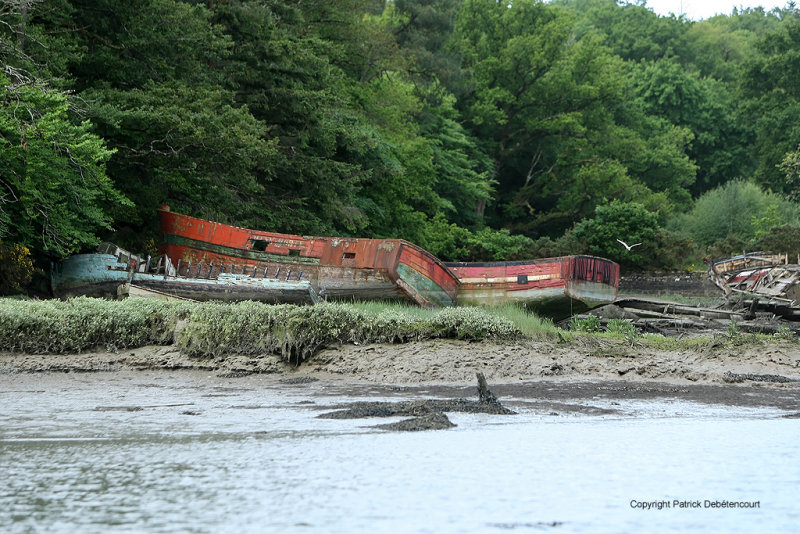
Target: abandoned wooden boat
554	287
760	274
113	272
337	267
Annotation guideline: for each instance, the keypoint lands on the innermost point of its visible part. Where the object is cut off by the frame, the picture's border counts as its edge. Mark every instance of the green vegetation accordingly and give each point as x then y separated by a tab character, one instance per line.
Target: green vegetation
52	326
297	332
587	324
622	327
215	329
480	130
528	325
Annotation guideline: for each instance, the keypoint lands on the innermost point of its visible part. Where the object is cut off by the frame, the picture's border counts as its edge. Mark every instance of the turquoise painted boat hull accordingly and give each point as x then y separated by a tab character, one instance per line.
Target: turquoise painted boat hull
104	276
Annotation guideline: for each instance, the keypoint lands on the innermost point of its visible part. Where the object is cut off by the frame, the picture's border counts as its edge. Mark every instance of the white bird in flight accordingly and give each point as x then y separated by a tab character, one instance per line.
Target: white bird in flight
627	246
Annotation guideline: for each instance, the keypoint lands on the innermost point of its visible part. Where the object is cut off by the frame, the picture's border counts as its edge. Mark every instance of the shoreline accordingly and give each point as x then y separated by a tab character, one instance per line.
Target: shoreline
590	378
443	361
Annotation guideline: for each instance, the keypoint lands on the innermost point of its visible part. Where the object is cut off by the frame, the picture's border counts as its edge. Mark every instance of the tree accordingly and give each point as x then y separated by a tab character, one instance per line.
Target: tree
706	109
460	169
148	77
55	195
790	166
193	148
631	30
626	221
772	82
423	29
554	113
283	72
719	48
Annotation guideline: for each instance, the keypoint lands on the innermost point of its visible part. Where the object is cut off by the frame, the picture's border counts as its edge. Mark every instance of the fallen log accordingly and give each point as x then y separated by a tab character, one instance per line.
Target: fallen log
670	308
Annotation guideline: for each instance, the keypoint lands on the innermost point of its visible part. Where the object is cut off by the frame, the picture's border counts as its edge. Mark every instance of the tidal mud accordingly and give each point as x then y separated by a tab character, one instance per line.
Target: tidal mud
426	414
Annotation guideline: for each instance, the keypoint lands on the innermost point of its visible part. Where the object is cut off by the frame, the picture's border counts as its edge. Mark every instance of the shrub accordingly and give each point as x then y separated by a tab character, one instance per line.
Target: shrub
472	323
672	251
566	245
295	332
16	268
453	243
298	332
781	239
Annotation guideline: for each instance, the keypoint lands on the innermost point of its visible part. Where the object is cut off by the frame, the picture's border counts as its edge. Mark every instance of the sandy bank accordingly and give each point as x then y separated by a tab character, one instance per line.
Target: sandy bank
774	363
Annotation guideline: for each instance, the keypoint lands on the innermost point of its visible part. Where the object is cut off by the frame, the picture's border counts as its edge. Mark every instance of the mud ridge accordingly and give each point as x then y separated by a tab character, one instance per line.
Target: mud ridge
425	414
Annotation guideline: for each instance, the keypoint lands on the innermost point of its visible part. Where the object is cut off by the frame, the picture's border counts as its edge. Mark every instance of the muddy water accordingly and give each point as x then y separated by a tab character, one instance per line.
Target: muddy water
192	452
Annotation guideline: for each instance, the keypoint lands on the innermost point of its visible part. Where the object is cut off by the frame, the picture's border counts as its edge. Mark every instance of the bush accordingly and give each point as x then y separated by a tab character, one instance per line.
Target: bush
622	327
473	324
730	246
672	251
450	242
16	268
566	245
298	332
295	332
783	239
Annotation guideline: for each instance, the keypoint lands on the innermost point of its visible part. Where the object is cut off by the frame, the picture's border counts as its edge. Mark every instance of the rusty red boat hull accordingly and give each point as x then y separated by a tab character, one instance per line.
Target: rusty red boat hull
554	287
337	267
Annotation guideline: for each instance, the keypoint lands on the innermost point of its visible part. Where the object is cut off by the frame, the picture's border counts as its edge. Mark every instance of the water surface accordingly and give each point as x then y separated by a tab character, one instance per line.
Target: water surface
192	452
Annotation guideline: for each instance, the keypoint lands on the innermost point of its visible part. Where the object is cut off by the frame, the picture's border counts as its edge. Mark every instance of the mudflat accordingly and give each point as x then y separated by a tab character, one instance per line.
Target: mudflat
454	361
760	372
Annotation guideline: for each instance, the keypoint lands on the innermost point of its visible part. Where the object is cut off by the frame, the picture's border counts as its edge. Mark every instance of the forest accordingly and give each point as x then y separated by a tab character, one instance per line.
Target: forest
480	130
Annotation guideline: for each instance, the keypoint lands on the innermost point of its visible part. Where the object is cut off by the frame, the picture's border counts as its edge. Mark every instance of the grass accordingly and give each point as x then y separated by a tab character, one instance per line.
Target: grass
215	329
530	325
52	326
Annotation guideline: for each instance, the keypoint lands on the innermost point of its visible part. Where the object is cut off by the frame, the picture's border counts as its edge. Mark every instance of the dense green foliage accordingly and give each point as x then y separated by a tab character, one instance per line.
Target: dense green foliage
602	232
481	130
217	329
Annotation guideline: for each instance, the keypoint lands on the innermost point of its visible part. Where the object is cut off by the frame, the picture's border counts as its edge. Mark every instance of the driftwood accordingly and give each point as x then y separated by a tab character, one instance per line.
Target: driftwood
484	395
669	318
670	308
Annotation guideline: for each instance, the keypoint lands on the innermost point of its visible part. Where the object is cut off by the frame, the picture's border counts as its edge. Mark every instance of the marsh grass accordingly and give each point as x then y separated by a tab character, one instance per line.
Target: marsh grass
530	325
215	329
52	326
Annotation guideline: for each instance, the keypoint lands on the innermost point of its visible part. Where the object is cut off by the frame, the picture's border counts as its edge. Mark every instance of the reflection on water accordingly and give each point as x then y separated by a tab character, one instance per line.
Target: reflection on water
188	452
